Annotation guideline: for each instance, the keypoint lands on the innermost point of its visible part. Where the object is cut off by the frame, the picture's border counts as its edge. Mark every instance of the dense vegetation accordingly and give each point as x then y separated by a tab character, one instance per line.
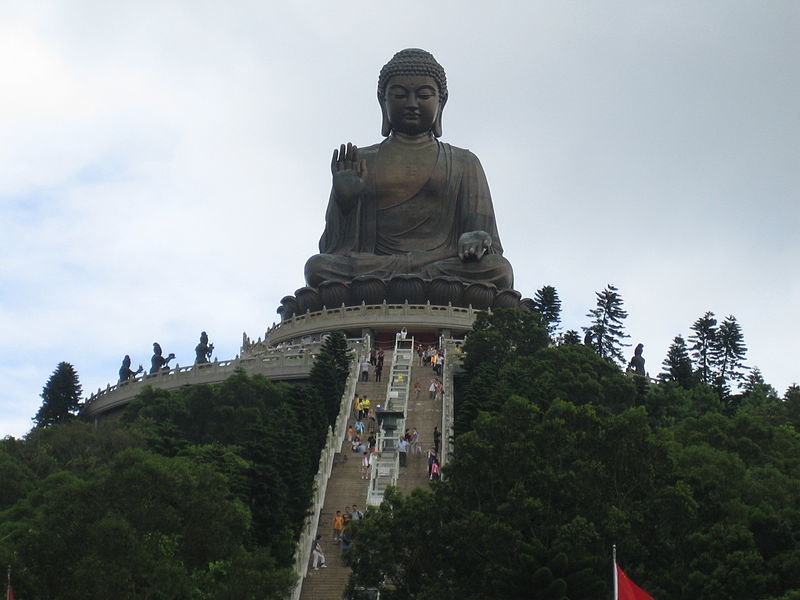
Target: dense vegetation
559	455
194	494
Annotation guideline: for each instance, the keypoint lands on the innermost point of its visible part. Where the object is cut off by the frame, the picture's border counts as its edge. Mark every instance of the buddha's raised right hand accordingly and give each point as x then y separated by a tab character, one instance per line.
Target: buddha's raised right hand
349	174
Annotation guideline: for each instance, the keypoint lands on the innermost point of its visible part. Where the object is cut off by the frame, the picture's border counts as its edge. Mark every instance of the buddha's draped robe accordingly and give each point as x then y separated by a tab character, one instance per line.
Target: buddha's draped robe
417	234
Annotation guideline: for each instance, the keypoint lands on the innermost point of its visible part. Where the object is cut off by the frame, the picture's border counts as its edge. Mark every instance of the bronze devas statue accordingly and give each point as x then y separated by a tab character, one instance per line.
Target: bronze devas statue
636	363
411	204
158	361
203	350
125	371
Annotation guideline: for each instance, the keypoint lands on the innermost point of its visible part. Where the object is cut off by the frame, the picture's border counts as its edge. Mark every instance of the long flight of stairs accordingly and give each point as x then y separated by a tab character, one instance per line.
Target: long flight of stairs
345	488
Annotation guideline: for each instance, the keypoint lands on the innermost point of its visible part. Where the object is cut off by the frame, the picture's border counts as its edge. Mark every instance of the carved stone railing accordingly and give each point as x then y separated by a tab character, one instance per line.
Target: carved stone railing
372	316
294	363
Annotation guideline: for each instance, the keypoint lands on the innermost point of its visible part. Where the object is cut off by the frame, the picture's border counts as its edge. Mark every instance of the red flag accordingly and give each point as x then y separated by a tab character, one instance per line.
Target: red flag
10	593
627	590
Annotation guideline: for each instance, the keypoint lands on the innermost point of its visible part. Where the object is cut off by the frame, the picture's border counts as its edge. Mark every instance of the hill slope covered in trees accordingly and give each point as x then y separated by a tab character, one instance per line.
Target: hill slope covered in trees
198	494
558	455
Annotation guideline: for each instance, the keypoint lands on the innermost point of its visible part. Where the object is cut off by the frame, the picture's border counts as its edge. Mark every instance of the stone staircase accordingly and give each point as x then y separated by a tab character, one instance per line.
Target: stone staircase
424	414
345	488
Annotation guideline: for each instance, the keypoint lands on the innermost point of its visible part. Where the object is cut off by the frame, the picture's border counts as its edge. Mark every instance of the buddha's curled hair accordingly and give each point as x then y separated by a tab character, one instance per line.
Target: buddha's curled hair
413	61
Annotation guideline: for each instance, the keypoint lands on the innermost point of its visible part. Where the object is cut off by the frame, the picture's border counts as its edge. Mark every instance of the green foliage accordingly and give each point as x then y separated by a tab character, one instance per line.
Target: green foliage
60	397
729	352
678	365
791	403
505	333
265	435
138	526
571	338
496	340
718	352
329	373
606	332
755	383
547	303
564	459
194	494
704	340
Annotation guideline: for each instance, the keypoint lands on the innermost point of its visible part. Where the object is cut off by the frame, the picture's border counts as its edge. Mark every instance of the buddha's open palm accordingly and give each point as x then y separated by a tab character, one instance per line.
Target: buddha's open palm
348	172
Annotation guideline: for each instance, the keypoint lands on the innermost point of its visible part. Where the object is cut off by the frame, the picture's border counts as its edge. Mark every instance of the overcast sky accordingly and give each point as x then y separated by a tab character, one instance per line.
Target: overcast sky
164	166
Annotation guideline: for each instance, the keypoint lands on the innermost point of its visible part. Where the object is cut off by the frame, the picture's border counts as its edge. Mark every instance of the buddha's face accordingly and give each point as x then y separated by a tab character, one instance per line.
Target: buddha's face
412	103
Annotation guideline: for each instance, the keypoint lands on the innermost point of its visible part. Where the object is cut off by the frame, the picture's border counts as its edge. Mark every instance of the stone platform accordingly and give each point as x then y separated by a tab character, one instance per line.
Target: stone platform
450	321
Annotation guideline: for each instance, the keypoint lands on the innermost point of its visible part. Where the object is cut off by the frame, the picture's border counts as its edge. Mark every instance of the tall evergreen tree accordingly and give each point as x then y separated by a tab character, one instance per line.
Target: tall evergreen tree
791	403
729	354
606	332
755	383
329	373
677	365
704	340
571	338
61	396
547	303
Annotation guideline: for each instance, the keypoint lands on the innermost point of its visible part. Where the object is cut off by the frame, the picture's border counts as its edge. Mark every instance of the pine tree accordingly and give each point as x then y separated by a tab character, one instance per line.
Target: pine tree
61	396
606	333
677	365
704	340
755	383
547	303
729	350
571	338
329	374
791	404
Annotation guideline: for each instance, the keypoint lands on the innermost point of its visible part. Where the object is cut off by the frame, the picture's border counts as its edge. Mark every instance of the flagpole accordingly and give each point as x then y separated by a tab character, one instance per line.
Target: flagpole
616	583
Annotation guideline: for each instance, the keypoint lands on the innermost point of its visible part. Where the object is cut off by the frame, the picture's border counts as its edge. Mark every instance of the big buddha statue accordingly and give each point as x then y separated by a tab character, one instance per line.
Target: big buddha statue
411	208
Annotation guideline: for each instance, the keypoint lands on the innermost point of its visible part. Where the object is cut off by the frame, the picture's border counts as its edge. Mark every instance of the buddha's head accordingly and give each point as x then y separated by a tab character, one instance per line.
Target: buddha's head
412	91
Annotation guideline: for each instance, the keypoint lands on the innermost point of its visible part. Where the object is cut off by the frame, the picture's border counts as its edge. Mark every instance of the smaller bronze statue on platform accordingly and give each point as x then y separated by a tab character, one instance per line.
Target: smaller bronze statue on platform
203	350
125	371
637	362
158	362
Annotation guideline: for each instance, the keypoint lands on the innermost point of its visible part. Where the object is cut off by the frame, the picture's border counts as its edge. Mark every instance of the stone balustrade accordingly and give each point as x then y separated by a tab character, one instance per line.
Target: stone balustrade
284	364
372	316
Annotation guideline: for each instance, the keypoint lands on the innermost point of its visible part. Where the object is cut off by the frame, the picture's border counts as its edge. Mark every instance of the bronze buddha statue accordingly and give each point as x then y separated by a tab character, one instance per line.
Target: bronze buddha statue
410	205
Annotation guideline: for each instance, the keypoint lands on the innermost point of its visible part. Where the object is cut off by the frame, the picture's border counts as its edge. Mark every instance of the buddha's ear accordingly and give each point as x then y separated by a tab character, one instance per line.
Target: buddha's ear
386	126
437	124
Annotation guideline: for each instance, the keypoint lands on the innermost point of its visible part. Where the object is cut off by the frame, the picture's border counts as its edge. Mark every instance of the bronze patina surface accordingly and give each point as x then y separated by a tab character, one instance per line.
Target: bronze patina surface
409	218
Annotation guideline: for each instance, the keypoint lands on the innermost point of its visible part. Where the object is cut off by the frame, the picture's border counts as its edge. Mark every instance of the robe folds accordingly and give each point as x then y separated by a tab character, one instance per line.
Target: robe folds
415	235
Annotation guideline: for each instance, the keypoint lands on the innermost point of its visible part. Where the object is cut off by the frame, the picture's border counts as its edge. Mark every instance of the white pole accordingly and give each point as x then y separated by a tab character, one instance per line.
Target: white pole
616	583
